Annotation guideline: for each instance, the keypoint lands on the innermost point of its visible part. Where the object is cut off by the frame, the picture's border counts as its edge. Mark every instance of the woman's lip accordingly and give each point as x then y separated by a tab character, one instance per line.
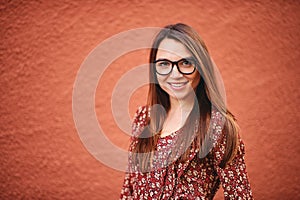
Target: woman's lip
177	85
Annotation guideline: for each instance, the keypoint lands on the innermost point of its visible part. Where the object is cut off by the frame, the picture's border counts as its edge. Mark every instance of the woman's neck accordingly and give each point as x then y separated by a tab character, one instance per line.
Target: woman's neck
182	105
177	115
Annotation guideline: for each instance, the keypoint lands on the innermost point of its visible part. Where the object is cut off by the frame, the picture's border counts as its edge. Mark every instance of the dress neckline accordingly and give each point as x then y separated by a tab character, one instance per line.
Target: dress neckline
172	135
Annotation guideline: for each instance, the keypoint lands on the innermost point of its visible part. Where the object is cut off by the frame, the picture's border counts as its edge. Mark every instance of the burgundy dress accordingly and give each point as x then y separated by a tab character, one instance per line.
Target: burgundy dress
193	179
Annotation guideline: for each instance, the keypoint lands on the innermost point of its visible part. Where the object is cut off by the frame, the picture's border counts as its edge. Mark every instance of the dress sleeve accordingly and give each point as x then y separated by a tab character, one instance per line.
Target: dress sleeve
138	124
233	176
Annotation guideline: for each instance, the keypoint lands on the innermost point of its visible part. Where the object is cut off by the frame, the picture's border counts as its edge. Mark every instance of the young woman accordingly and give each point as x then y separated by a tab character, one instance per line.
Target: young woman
185	142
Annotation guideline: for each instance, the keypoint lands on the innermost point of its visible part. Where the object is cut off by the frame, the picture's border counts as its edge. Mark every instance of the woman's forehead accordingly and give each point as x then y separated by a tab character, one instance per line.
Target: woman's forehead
172	49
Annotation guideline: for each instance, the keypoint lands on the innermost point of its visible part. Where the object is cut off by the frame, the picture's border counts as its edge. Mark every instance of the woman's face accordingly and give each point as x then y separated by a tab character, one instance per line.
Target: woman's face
176	84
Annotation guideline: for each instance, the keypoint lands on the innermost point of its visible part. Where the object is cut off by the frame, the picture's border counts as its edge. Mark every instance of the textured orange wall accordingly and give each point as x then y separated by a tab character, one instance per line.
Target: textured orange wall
43	43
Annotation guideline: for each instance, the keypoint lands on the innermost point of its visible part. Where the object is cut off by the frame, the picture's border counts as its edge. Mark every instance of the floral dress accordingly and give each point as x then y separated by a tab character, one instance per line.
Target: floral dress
193	179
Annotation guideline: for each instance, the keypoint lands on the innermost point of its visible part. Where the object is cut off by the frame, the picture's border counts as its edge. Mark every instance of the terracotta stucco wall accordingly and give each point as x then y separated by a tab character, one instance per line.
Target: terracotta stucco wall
43	43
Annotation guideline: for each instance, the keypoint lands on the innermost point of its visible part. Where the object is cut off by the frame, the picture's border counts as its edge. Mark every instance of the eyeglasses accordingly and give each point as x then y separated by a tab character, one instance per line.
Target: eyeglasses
185	66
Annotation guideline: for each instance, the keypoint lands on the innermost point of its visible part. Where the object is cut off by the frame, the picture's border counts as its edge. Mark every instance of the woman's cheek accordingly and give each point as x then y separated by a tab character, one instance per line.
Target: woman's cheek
162	82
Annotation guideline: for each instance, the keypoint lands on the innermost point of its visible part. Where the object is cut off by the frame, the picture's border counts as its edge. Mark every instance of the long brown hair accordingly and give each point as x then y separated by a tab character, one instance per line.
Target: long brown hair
207	95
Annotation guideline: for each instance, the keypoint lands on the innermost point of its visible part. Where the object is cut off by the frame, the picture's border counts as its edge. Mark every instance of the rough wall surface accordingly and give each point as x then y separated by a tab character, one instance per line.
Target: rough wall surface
43	43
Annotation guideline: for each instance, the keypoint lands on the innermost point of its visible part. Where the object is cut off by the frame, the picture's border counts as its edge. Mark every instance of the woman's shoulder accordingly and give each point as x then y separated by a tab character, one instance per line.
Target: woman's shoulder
140	119
216	125
221	136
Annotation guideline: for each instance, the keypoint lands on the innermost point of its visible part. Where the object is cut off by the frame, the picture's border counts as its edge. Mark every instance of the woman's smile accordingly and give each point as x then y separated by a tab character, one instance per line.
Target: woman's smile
178	85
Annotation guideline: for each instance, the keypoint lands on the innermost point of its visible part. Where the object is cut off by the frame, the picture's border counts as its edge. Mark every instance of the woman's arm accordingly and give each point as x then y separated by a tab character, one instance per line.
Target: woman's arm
138	124
126	192
233	176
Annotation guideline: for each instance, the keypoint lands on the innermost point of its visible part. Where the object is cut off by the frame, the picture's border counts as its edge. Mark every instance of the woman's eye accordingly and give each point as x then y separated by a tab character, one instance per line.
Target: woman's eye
186	63
163	64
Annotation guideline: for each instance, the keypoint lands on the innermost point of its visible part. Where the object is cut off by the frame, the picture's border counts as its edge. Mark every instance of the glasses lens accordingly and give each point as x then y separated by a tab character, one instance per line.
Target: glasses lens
163	67
186	66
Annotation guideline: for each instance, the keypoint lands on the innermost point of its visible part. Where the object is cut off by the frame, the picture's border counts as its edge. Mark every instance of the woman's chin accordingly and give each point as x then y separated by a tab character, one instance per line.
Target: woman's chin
184	95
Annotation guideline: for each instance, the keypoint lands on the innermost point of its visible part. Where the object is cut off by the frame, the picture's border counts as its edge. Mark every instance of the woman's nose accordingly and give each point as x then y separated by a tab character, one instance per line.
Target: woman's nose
175	73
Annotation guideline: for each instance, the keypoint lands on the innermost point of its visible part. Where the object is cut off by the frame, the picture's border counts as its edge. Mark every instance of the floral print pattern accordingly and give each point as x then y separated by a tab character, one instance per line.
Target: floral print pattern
195	178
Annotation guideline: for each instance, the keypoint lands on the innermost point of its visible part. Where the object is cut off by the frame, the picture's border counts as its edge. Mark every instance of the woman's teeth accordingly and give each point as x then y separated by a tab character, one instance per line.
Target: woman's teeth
177	85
